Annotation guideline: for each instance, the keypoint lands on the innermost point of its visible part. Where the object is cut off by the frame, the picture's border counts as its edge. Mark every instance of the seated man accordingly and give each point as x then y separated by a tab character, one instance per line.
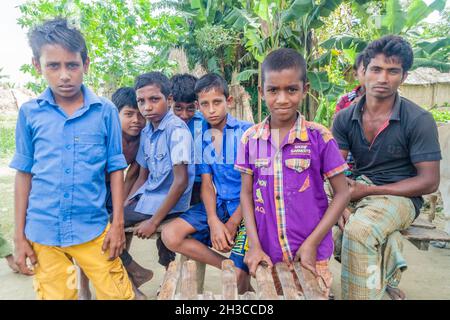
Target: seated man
395	146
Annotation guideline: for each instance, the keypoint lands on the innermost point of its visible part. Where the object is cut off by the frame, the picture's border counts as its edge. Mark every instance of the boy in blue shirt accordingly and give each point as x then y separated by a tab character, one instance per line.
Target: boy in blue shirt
184	106
65	141
216	221
165	156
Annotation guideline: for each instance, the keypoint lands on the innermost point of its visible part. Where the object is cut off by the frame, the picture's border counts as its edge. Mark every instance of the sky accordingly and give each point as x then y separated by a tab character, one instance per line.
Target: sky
14	51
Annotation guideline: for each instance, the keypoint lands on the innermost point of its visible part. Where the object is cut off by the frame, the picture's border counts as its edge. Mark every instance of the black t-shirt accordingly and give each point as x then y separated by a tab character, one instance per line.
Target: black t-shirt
410	137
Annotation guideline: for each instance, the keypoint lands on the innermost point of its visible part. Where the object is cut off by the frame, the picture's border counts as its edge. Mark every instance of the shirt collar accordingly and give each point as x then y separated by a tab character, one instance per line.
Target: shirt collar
89	98
395	115
298	131
162	125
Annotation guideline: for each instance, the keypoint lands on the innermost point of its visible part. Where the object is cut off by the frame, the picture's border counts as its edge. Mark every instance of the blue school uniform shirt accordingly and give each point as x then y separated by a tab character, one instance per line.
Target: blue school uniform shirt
67	158
159	150
226	180
196	127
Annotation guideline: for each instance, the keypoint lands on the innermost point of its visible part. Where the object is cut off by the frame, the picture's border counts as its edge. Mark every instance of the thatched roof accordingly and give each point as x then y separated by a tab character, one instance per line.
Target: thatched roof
423	76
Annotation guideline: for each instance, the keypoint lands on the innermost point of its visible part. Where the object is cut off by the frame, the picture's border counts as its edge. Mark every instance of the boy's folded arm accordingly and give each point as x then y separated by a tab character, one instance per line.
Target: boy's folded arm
248	212
208	196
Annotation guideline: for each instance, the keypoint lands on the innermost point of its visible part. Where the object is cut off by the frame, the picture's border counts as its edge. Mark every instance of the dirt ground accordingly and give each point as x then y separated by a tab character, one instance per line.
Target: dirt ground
427	277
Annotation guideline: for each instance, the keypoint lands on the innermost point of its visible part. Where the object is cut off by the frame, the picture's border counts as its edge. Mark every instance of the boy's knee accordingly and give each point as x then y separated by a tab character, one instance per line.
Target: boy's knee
170	237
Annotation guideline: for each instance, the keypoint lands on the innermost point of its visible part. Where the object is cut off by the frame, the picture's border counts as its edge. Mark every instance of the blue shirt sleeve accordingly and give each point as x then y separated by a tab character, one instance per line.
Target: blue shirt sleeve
181	146
116	159
24	155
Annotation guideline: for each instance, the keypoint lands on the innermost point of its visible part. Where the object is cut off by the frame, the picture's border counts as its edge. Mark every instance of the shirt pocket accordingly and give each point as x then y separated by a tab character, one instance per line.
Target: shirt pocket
90	148
297	177
162	163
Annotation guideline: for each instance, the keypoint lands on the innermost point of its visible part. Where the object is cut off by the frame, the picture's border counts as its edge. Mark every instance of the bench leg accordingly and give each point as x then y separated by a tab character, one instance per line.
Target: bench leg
200	273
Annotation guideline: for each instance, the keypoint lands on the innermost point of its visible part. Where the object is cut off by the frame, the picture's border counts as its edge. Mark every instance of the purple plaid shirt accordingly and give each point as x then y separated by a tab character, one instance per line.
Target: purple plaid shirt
288	192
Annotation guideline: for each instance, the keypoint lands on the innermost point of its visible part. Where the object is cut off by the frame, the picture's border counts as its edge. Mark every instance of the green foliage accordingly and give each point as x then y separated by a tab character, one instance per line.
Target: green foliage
124	38
441	115
7	136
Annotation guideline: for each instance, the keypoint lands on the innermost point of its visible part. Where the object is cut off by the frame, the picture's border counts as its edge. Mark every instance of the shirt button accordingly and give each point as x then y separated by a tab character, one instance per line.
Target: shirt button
66	195
67	170
278	197
68	147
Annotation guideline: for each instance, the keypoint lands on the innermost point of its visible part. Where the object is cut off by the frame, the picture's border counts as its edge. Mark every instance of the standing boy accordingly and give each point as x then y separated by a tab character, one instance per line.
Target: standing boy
184	106
284	161
215	221
165	156
65	141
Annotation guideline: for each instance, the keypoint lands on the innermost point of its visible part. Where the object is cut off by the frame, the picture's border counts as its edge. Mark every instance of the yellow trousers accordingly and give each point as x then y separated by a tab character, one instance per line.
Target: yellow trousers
56	277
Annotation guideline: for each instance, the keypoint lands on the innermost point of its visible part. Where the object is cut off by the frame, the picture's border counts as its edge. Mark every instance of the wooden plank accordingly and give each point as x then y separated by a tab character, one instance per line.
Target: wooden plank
264	283
422	223
422	234
188	289
249	295
287	281
229	281
310	285
201	268
169	284
421	245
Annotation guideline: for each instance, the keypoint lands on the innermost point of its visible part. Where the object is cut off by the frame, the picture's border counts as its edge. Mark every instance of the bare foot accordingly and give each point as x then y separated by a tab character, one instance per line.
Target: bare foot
12	264
138	294
395	293
138	274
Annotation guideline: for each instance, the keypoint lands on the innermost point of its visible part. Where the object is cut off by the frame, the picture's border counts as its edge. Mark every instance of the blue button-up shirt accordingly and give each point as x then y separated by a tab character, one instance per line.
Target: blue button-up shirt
67	158
226	179
196	127
159	150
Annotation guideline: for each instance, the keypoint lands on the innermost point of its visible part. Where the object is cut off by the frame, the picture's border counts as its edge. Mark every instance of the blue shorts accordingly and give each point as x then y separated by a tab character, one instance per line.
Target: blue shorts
196	216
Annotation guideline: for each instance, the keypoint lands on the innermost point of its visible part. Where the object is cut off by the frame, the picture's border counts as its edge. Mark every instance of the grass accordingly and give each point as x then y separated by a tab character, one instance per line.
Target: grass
7	135
7	147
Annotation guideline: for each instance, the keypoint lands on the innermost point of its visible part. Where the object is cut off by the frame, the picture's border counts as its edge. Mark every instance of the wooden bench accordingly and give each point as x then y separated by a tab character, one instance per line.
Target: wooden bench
200	267
421	232
180	283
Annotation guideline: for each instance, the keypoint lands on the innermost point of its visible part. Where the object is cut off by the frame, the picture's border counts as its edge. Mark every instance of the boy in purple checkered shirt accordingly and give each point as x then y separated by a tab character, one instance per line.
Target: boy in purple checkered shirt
284	161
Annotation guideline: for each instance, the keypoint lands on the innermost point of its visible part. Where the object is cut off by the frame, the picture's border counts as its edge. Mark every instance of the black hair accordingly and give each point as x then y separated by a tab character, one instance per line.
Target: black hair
358	61
212	81
182	88
390	46
124	96
281	59
153	78
57	31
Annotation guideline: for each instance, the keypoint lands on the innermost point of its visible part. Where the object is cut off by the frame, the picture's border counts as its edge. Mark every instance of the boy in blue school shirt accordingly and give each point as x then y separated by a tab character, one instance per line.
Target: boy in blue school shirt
65	141
166	159
218	219
184	106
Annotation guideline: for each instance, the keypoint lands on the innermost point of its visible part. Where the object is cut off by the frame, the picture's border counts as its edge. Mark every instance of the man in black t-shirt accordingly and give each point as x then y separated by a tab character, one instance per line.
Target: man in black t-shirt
396	151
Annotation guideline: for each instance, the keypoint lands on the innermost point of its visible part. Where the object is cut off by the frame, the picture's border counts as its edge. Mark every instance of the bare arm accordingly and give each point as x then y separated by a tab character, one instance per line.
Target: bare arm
221	237
308	250
130	178
115	238
23	249
426	181
142	177
179	185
